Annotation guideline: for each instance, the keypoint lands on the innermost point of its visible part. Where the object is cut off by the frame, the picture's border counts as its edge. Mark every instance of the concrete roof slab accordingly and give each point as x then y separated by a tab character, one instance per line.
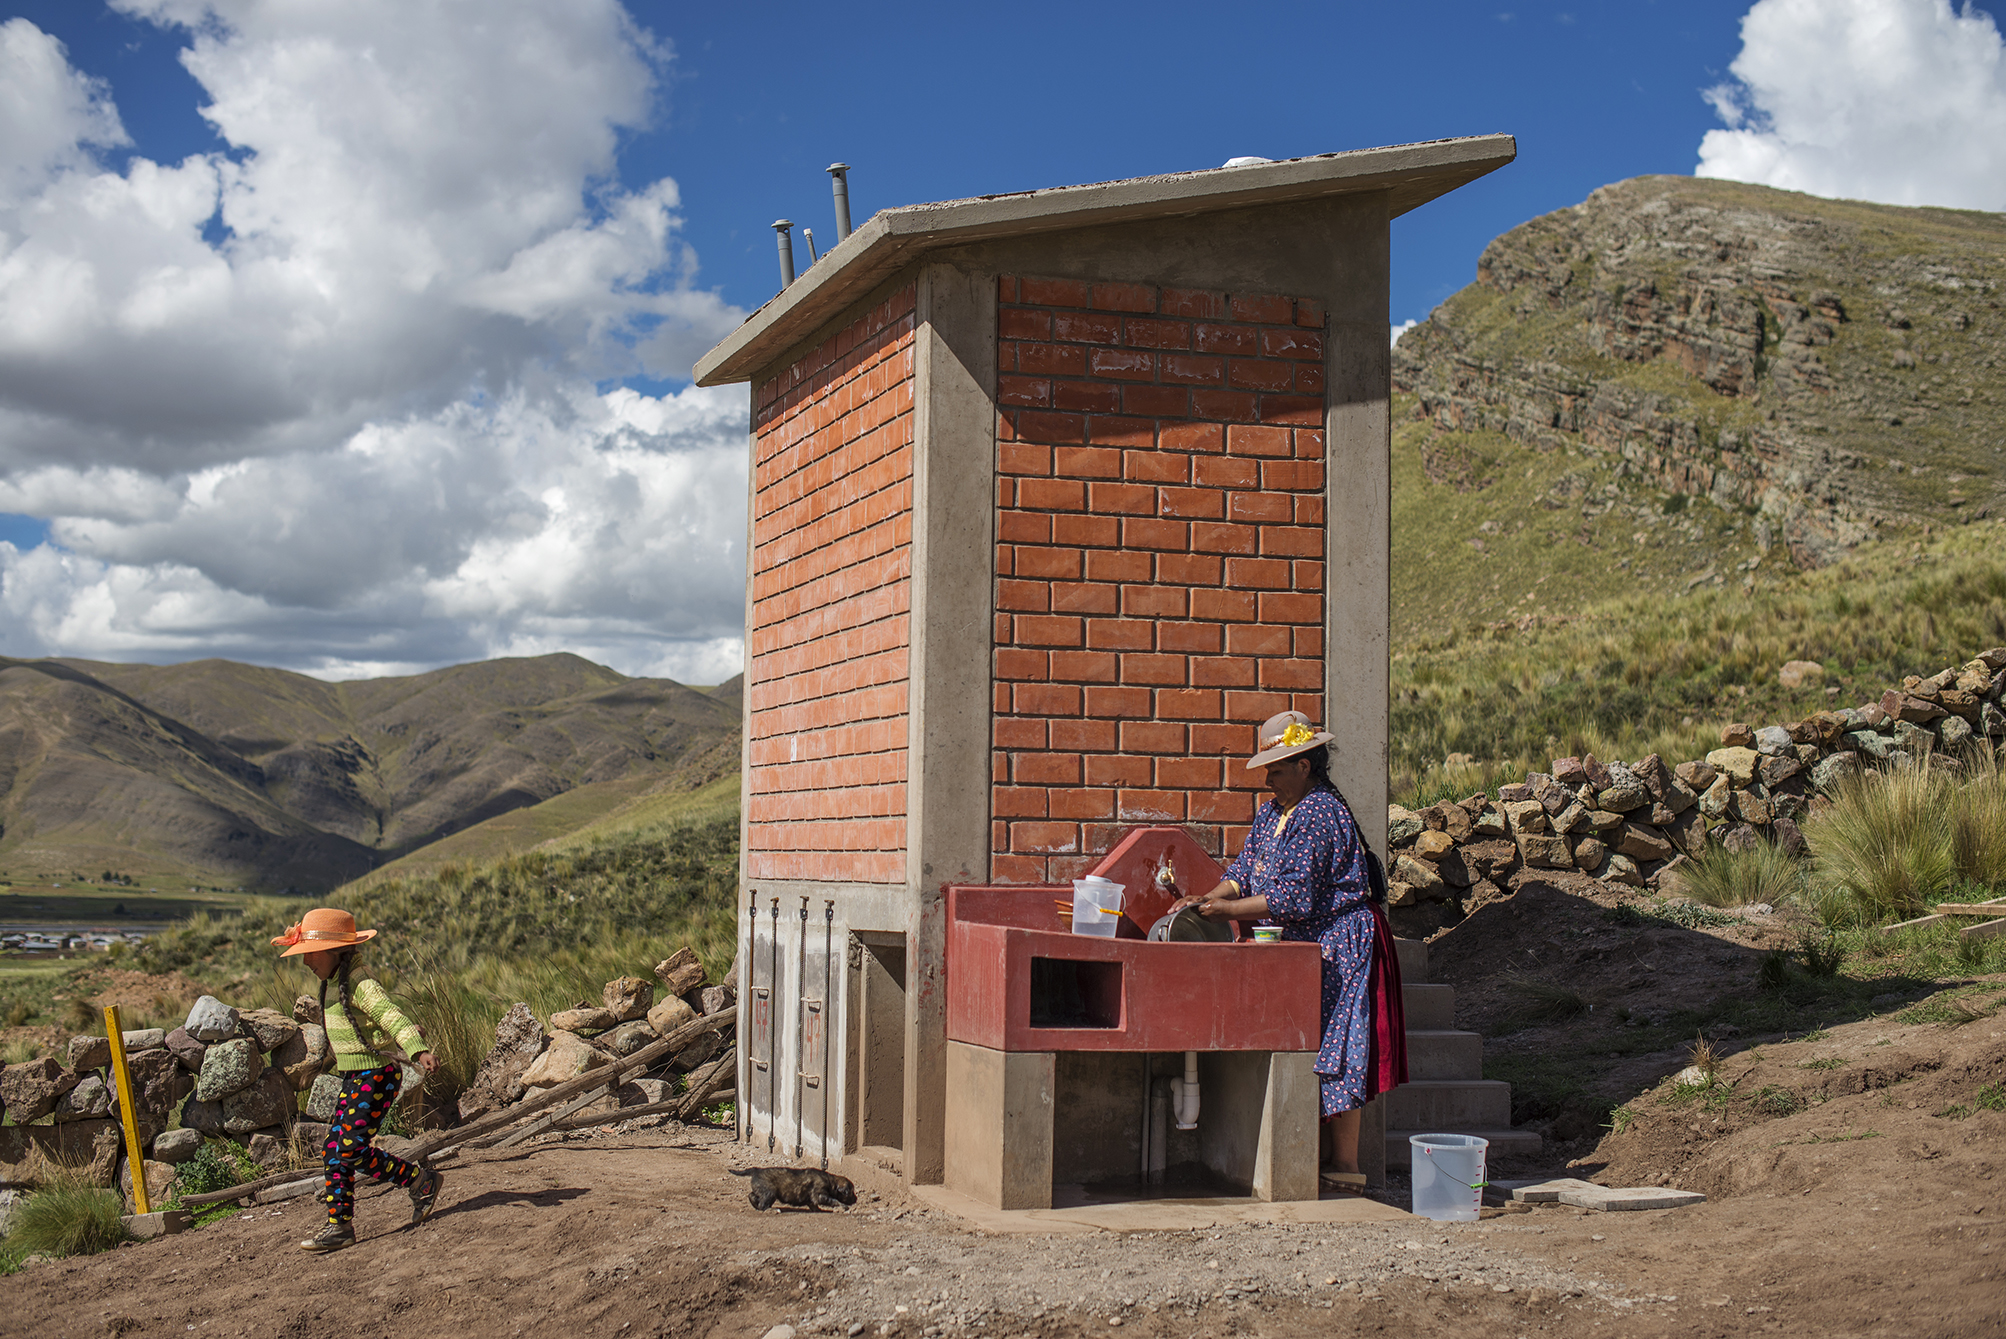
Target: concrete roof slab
1411	174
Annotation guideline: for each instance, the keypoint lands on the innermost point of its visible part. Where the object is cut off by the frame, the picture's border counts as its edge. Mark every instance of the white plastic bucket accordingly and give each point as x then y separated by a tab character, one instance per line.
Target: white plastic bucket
1096	906
1448	1176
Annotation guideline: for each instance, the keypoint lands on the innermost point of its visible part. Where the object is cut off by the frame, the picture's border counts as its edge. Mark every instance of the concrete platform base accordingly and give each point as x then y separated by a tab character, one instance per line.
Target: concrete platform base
1504	1143
1158	1215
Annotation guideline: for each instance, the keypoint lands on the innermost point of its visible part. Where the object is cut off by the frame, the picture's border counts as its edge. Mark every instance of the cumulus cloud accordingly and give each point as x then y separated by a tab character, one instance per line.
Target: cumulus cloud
332	397
1899	101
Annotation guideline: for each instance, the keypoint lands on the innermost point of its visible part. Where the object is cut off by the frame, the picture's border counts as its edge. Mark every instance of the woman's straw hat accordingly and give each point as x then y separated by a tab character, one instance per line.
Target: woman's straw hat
322	928
1285	736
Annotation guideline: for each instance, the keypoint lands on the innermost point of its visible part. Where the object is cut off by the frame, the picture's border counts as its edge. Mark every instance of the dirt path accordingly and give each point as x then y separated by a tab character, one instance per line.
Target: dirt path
644	1234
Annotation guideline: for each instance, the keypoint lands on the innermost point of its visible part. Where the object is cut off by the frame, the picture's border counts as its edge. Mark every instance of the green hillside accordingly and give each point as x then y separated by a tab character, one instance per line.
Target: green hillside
1661	671
217	772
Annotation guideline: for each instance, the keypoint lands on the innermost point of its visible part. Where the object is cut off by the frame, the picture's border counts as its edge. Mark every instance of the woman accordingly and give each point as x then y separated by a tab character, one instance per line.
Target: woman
1305	866
368	1034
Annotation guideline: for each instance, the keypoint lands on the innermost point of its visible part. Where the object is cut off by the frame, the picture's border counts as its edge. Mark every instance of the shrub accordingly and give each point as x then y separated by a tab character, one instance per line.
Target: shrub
217	1165
67	1216
1723	878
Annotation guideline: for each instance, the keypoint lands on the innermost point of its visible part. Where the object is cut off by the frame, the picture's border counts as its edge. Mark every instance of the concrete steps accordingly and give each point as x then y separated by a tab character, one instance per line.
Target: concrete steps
1444	1054
1446	1092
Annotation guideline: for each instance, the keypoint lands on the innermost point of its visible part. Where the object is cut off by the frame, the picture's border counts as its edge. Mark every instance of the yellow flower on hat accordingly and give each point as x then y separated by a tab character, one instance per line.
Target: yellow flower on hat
1297	733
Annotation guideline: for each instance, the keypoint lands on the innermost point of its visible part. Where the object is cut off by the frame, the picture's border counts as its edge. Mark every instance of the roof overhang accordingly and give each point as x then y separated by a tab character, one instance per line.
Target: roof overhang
1412	174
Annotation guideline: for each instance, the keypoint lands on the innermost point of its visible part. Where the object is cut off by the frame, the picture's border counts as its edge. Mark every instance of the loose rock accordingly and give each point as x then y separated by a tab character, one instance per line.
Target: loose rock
90	1052
186	1049
304	1055
268	1101
590	1018
211	1021
269	1028
229	1067
567	1057
669	1015
31	1089
680	972
89	1100
629	998
1797	674
176	1146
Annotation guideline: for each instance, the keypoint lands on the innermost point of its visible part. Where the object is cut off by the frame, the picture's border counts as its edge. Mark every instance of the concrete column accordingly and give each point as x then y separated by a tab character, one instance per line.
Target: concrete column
999	1136
1358	533
1285	1157
947	758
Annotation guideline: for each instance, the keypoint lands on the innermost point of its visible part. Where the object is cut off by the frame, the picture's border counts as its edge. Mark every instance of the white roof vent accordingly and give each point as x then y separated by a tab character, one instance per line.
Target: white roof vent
1245	162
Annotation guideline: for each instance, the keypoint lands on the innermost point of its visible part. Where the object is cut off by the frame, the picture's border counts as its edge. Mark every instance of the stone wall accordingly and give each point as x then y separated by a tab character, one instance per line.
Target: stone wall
1636	823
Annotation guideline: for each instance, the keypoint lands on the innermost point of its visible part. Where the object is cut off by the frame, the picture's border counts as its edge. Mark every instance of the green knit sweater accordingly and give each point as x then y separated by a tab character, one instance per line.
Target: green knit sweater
385	1032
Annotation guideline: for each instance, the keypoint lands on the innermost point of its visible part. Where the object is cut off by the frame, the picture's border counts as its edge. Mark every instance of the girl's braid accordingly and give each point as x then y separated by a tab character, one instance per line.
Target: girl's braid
343	965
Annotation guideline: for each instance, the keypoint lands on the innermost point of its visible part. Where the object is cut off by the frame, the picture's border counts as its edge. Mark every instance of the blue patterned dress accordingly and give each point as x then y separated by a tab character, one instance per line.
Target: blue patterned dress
1313	874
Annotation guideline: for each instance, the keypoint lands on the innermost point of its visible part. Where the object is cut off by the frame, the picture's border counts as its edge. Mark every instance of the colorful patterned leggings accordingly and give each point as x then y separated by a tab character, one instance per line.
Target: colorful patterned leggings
365	1099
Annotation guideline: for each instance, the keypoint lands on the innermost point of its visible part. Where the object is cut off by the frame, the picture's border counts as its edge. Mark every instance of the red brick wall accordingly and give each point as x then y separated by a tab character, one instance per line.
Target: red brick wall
827	641
1159	559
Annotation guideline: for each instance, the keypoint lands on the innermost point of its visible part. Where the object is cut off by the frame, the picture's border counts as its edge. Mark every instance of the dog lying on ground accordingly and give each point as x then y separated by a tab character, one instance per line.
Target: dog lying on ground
802	1187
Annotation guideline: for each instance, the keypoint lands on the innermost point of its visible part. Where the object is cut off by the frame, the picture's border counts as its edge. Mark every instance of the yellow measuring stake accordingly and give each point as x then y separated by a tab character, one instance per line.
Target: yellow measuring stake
133	1158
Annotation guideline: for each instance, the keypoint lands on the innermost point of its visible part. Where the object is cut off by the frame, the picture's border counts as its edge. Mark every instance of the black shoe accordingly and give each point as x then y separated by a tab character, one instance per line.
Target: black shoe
425	1194
330	1238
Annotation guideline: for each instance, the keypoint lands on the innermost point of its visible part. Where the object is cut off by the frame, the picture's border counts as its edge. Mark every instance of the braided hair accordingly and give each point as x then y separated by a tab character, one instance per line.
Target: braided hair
344	963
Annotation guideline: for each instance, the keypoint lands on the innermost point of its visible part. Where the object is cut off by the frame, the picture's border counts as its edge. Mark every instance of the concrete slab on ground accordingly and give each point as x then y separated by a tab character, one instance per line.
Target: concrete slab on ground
1160	1215
1631	1197
1546	1191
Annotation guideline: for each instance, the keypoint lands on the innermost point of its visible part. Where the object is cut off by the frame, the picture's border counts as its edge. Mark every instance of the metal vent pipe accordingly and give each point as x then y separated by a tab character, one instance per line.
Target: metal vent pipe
808	235
786	242
839	184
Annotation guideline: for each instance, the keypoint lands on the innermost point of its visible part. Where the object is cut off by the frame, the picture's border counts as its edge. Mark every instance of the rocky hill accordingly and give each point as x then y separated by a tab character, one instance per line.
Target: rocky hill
277	779
1813	369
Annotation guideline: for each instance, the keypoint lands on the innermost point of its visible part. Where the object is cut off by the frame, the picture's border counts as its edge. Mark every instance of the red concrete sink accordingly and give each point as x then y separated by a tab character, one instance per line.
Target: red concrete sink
1019	980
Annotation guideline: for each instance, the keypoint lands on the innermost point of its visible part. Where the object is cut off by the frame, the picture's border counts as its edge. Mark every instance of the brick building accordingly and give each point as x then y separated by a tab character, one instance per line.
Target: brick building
1055	497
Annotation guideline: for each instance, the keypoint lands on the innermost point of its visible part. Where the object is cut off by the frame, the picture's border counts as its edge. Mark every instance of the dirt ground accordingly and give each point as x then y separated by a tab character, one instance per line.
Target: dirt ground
644	1233
1853	1171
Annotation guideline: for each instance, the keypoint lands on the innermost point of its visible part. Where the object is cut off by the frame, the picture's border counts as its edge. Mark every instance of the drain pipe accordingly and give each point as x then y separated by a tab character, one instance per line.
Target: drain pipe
772	1022
839	186
800	1029
786	244
1185	1091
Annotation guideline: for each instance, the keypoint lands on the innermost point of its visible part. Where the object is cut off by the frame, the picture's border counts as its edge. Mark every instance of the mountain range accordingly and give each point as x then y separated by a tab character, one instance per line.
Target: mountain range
277	780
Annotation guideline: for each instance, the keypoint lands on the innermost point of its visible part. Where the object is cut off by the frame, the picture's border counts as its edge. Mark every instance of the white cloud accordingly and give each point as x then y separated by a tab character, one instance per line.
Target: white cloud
1403	328
1899	101
327	399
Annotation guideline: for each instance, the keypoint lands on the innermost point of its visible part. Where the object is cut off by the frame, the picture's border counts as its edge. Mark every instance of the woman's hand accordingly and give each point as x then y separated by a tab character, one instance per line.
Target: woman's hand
427	1062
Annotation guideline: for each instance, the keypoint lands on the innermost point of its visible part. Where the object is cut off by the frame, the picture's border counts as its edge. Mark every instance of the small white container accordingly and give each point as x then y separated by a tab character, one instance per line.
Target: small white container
1448	1176
1096	906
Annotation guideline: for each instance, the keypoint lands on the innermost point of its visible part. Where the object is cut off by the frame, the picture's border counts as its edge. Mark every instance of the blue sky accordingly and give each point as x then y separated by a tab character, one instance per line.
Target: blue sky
934	102
355	337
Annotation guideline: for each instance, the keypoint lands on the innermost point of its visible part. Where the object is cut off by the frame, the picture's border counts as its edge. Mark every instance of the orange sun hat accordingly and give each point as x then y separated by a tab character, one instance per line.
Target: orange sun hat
322	928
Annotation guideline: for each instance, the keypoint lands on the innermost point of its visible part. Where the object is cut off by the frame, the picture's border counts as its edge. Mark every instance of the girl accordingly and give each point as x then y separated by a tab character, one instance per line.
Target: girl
368	1034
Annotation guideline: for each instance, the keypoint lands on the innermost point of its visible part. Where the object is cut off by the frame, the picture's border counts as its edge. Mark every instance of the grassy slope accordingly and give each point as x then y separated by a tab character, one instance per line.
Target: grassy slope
1661	671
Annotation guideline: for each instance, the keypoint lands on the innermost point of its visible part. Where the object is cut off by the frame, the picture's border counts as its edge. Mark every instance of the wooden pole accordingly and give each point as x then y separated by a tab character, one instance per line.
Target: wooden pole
501	1120
135	1157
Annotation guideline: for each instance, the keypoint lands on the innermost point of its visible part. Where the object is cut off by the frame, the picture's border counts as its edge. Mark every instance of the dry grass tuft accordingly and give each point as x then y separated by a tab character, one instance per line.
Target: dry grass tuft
1723	878
1895	840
